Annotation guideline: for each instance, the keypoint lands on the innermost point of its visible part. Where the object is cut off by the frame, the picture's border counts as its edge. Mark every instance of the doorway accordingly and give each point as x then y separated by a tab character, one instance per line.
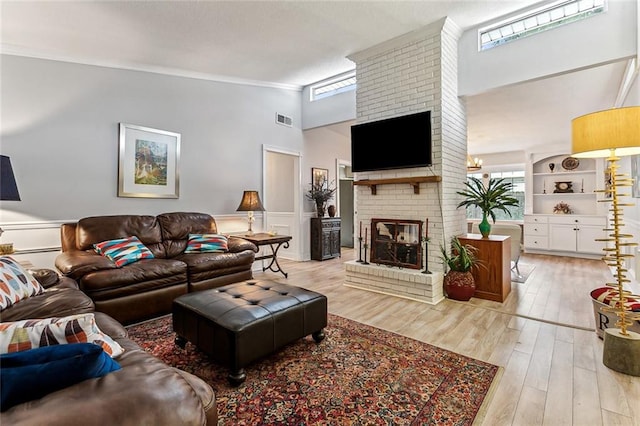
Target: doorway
345	202
282	197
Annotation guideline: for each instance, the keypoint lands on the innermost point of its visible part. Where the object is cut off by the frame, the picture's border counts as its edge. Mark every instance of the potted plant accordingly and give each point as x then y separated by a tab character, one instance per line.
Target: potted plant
458	280
320	193
494	196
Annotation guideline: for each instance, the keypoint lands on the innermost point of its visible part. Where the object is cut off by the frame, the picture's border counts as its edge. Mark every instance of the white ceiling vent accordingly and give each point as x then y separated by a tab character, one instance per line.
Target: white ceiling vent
283	119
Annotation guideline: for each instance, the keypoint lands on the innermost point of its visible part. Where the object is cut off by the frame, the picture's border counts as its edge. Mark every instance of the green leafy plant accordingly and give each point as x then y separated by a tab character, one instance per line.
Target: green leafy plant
463	257
494	196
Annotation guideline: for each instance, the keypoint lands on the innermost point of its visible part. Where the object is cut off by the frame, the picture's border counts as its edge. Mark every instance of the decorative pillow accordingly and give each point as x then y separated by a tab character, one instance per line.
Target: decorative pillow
203	243
34	333
123	250
32	374
609	296
16	283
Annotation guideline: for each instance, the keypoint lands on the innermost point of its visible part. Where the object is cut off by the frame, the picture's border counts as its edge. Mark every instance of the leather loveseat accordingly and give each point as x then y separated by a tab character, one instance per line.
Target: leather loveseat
145	391
146	288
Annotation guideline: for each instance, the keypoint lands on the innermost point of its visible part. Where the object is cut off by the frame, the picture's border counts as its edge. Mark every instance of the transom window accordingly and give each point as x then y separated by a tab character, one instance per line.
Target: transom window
538	20
333	86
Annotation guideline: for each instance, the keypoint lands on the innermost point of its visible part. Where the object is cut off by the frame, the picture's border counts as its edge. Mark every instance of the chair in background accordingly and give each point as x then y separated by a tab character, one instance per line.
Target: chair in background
512	230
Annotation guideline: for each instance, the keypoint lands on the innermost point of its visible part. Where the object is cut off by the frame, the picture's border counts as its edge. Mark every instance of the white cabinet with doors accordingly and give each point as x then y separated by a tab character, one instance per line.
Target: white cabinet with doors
570	235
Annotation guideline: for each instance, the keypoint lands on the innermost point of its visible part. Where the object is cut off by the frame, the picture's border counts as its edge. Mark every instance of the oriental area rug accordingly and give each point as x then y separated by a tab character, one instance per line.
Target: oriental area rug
358	375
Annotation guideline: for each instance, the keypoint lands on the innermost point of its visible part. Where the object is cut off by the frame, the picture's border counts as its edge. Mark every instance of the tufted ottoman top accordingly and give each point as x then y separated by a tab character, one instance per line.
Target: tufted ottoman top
236	306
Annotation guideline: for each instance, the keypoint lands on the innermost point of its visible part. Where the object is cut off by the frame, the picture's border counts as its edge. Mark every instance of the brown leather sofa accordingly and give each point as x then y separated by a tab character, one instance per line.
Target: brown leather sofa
145	391
146	288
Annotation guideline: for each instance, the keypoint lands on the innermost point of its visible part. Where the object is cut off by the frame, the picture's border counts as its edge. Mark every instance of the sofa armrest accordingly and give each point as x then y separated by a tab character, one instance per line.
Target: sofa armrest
48	278
76	264
238	244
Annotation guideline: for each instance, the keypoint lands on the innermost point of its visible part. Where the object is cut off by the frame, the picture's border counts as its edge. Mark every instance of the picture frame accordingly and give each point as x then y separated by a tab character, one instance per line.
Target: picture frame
148	162
635	174
320	177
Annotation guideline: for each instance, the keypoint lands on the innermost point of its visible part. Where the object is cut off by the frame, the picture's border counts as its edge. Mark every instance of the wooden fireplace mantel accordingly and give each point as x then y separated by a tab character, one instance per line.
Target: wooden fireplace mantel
414	181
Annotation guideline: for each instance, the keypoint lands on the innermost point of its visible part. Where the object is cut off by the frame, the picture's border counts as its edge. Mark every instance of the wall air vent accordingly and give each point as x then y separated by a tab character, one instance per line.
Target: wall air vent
283	119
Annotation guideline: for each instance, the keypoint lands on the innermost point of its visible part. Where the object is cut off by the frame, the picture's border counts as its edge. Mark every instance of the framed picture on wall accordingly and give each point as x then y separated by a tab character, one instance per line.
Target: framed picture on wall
148	162
320	177
635	174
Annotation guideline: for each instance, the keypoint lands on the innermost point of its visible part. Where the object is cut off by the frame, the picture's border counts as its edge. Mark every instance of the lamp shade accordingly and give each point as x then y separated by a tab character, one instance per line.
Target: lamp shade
250	202
595	135
8	186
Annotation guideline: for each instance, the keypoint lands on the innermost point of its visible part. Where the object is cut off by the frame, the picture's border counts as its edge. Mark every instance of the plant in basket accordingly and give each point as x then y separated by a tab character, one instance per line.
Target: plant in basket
458	281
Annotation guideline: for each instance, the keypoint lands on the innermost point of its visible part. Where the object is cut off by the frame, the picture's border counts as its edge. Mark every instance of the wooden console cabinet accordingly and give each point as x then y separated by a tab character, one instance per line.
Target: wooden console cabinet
325	238
493	279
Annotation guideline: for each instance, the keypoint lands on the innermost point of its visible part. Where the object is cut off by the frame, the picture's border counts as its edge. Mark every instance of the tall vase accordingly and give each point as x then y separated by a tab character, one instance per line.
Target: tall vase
484	226
320	209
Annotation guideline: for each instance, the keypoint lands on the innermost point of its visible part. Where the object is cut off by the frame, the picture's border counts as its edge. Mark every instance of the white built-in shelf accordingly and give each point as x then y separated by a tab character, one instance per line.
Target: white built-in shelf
574	172
570	194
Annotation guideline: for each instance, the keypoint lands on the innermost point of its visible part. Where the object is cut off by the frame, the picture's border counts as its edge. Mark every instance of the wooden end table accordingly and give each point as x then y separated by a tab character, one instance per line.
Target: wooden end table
273	241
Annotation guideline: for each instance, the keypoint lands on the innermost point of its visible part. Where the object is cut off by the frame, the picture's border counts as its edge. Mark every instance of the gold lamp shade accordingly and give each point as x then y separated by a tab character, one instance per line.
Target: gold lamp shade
595	134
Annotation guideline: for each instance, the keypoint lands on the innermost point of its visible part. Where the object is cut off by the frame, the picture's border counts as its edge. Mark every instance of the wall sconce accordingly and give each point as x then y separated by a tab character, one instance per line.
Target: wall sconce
612	133
473	165
8	192
250	203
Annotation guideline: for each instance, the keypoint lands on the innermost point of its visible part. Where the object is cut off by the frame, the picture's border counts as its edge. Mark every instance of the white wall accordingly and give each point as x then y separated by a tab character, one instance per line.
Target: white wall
596	40
333	109
60	128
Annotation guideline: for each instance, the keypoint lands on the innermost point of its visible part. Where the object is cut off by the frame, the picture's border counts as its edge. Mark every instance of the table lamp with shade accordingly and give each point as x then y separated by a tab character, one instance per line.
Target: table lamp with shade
8	192
250	203
613	133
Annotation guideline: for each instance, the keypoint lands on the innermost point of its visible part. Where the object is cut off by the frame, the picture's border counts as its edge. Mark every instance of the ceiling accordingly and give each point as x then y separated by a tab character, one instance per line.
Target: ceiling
296	43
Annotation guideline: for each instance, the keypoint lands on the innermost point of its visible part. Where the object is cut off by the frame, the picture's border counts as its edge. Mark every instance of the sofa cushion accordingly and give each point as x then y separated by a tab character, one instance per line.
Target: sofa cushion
177	226
16	283
135	278
34	373
55	302
123	251
34	333
207	243
95	229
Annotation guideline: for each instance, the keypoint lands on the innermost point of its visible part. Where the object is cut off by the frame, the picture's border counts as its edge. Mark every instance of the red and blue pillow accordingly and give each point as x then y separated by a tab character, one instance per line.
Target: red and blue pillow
123	251
207	243
16	283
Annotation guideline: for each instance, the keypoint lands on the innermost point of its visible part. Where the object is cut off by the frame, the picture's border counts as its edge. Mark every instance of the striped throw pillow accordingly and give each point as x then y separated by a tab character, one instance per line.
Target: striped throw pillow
207	243
123	250
28	334
16	283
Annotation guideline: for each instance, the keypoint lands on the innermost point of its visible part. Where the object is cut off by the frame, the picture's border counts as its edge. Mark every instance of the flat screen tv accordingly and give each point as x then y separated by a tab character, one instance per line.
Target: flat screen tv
392	143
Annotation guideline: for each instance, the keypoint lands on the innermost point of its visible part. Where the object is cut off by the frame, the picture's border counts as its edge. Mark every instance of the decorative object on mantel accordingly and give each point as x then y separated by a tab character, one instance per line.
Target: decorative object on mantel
563	187
473	165
250	203
570	163
494	196
320	192
612	133
562	208
458	281
552	166
8	192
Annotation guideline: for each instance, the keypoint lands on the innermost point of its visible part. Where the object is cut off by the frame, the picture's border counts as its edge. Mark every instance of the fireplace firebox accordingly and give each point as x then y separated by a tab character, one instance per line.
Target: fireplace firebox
396	242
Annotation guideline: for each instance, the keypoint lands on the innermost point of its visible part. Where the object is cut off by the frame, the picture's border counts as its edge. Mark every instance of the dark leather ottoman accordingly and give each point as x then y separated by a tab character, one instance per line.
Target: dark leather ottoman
239	323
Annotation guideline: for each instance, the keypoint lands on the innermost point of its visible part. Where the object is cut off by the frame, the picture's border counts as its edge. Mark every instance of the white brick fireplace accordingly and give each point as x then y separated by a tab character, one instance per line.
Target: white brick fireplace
413	73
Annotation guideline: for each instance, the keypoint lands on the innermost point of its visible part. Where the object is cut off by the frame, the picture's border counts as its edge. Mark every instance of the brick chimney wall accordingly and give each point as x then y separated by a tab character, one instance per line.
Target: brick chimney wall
413	73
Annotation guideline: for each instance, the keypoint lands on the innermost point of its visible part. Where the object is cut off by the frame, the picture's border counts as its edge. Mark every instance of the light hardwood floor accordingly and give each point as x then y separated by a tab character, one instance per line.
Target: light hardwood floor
553	373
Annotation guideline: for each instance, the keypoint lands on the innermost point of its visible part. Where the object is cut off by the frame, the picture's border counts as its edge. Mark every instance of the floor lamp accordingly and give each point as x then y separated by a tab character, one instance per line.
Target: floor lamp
613	133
